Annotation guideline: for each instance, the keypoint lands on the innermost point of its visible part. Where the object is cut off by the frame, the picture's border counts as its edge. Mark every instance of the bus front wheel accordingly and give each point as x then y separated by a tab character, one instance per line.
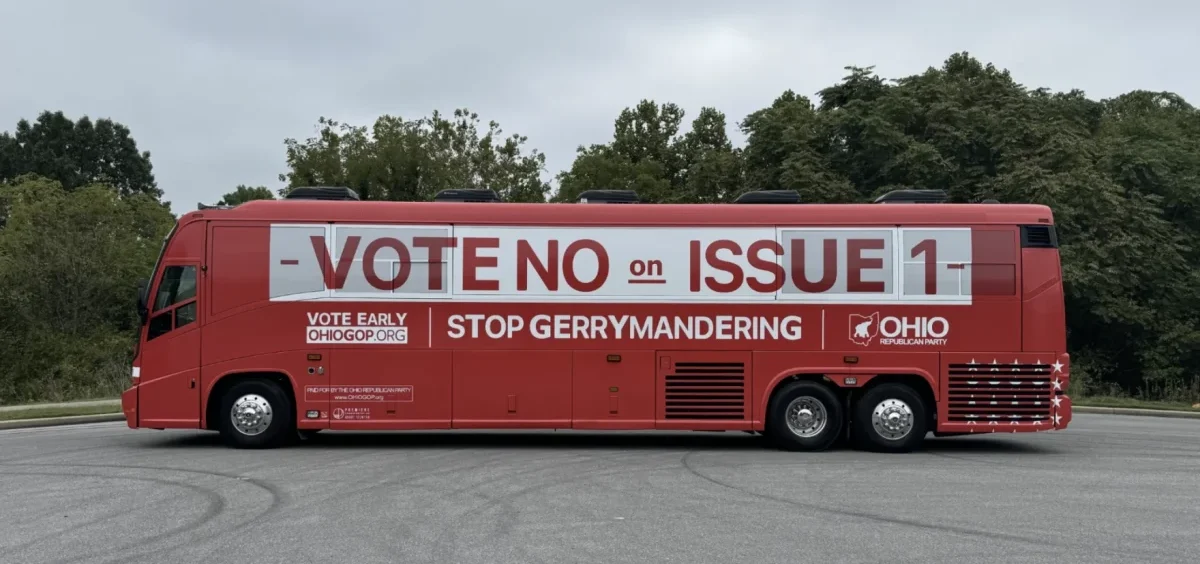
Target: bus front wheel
255	414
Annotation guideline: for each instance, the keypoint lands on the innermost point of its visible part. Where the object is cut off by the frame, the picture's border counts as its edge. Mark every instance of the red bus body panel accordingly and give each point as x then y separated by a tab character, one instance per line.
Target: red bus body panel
392	316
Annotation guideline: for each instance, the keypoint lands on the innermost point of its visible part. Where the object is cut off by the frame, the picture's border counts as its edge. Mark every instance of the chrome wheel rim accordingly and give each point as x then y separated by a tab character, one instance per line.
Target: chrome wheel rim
892	419
806	416
251	414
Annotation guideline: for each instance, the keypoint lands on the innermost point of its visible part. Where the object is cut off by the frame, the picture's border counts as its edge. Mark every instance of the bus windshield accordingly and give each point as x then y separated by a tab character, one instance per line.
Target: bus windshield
144	291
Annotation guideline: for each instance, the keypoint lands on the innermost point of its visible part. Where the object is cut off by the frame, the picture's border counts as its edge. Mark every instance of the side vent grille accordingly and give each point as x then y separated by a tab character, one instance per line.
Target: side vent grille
706	390
1000	394
1039	237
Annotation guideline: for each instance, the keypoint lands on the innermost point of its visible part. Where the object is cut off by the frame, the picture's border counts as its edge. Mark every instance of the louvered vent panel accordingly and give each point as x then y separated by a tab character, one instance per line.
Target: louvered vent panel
1000	392
1039	237
706	390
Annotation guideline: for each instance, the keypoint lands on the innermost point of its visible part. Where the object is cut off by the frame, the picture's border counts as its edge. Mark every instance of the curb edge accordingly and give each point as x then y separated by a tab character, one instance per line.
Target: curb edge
57	421
112	402
1137	411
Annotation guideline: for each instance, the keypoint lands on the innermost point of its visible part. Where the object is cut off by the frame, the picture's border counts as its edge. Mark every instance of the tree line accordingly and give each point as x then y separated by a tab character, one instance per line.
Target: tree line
82	218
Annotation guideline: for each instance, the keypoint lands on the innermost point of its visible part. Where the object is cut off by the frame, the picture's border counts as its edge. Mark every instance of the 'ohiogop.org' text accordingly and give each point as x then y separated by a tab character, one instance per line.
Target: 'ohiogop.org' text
720	327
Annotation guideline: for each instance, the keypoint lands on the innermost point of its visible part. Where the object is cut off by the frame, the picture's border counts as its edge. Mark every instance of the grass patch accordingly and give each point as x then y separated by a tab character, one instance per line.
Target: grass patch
58	411
1116	401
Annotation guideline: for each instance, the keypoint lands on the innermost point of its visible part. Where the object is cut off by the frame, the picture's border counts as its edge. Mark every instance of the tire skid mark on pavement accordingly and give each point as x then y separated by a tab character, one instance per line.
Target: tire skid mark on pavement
444	544
862	515
137	549
1107	479
1028	540
366	486
216	506
445	547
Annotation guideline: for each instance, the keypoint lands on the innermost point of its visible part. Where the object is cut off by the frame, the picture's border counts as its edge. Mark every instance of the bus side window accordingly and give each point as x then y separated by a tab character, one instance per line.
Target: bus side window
159	325
178	286
185	314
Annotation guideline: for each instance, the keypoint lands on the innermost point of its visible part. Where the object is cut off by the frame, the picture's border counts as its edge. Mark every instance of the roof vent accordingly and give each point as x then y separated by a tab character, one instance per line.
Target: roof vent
769	197
608	197
467	195
321	193
913	197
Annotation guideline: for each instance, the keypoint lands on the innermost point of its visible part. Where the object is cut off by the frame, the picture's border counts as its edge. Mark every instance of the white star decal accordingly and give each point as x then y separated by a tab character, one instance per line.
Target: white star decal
972	365
1057	384
1057	366
1057	418
1014	365
1057	401
994	365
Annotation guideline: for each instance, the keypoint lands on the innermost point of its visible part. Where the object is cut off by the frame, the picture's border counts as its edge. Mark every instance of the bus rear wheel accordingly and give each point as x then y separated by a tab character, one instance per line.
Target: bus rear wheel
255	414
804	416
890	418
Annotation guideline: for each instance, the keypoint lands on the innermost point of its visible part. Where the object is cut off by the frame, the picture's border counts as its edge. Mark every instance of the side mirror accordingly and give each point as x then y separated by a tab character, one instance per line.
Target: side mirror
142	303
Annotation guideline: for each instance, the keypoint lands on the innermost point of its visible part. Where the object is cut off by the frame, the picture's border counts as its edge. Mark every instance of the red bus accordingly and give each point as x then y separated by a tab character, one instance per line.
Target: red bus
877	322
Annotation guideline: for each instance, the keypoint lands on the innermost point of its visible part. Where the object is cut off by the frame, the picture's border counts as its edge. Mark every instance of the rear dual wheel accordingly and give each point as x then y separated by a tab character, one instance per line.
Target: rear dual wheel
805	416
808	416
890	418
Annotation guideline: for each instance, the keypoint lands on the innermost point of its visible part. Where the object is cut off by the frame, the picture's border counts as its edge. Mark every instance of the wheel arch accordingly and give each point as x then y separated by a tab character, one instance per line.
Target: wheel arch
835	378
222	383
781	380
920	383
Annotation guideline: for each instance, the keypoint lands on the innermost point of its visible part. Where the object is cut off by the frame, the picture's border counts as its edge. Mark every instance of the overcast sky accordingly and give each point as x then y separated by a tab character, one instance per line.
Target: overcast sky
211	88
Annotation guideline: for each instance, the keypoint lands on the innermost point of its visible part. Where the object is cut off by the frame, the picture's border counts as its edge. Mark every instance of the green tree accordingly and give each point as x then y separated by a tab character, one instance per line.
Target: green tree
647	154
789	147
70	261
1149	146
400	159
1119	174
243	194
77	153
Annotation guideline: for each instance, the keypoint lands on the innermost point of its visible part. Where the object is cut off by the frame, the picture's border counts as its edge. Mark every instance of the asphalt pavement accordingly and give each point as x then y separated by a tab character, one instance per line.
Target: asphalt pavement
1109	489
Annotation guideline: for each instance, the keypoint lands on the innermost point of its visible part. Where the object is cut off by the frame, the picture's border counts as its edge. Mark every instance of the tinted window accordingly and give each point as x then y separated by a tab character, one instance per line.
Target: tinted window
159	325
178	284
185	314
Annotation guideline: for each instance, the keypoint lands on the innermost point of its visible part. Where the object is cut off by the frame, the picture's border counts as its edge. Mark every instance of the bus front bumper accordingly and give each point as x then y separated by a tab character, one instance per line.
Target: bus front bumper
129	406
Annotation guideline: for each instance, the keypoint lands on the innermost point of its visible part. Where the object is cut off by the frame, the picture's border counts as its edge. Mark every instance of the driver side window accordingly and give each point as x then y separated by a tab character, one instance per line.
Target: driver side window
178	286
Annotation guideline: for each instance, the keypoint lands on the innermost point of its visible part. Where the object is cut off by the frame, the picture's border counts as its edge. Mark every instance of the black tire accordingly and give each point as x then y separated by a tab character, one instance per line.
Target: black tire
817	395
278	431
872	435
